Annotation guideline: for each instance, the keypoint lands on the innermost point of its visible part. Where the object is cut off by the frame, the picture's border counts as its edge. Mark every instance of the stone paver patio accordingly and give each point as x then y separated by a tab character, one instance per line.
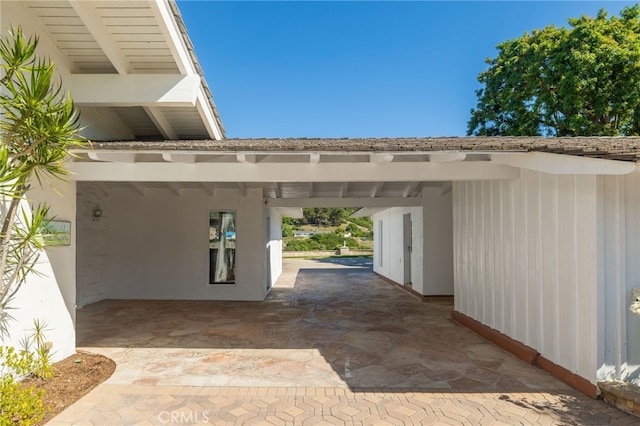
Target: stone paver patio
332	344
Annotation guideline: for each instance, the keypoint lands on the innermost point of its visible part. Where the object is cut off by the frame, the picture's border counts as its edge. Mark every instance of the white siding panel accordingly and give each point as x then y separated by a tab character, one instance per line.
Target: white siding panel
526	262
476	255
522	261
619	227
532	224
549	298
488	252
566	276
586	271
509	255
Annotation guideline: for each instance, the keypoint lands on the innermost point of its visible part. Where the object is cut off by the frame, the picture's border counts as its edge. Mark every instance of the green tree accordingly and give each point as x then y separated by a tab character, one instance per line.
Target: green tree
38	125
332	216
577	81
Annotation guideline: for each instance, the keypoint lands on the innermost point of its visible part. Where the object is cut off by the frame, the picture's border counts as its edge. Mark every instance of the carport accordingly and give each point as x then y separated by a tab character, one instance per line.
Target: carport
143	209
532	239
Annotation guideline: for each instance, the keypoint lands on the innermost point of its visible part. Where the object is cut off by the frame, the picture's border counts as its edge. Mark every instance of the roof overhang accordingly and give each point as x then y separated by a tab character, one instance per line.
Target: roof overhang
371	173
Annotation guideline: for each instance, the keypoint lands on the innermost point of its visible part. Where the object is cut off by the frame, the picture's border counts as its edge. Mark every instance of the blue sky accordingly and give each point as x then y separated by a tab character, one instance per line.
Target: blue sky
357	69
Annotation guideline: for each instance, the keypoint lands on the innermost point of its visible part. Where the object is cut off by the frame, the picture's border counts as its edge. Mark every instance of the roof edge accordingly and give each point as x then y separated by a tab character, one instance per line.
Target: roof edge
194	58
612	148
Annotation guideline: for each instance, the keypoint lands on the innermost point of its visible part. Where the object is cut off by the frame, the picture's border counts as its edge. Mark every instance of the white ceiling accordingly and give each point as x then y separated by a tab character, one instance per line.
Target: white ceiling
145	38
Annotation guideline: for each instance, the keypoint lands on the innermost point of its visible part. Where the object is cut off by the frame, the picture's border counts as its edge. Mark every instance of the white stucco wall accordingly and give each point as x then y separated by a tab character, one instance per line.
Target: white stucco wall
619	264
93	240
432	242
157	245
437	236
388	260
525	262
50	296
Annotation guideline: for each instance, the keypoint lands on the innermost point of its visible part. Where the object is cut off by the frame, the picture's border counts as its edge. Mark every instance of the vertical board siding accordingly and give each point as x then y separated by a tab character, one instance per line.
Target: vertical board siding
619	329
632	270
532	227
549	219
525	264
499	258
566	279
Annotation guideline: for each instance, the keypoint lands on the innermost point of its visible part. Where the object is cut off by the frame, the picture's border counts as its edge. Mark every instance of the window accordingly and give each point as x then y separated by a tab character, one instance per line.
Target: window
222	247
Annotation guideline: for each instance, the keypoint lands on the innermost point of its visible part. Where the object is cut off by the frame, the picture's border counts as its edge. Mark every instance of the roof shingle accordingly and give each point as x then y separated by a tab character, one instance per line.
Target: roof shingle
612	148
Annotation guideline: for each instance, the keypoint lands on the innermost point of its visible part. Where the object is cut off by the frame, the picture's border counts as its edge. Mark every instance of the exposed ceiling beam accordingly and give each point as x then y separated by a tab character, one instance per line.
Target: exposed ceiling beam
102	187
343	202
292	212
118	157
446	188
179	157
278	189
344	189
87	13
208	118
367	211
310	189
563	164
133	90
410	189
174	187
246	158
376	189
242	187
294	172
161	123
139	188
208	188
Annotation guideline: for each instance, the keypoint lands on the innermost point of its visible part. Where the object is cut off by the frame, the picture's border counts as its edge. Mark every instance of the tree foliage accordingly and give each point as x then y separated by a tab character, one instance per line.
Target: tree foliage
332	216
577	81
38	125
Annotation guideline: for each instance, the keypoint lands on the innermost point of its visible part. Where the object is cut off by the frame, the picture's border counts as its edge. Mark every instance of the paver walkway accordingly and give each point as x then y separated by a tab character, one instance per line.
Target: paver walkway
332	344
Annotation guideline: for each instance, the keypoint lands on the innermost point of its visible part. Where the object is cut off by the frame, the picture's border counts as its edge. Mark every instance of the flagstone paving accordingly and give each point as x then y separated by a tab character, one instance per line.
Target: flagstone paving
332	344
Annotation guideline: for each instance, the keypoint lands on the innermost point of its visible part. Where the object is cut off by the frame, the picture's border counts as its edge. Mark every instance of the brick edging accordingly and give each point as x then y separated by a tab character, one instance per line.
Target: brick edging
527	354
522	351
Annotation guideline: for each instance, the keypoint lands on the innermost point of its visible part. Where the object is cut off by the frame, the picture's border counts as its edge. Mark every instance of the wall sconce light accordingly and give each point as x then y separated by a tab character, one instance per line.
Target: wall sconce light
96	214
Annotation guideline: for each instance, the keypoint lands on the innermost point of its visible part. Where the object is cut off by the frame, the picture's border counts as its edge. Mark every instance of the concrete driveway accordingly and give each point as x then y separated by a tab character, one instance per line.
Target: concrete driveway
332	344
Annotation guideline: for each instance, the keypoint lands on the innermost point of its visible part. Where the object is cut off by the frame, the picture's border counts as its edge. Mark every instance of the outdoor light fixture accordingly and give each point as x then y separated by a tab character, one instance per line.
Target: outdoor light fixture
97	213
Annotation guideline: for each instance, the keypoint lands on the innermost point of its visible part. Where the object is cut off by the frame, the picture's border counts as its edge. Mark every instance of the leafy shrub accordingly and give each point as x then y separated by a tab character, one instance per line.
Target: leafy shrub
328	241
365	222
287	231
20	404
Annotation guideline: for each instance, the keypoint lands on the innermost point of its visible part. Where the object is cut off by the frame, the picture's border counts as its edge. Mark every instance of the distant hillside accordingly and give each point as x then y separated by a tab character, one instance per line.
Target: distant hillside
327	229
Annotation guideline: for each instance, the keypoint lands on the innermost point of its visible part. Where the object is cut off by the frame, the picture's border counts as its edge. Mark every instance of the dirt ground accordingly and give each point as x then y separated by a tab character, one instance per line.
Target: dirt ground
74	377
